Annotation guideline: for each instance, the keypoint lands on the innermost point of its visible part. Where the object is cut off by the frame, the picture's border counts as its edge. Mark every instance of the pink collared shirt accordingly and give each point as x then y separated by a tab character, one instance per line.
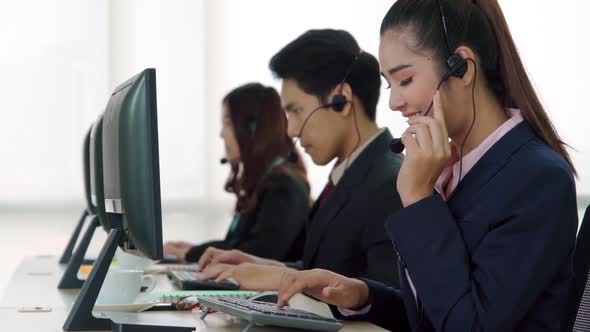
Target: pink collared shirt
449	178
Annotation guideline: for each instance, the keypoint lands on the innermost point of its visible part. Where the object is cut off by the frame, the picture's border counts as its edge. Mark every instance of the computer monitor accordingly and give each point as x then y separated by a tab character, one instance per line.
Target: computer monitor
96	174
131	179
131	164
94	210
89	209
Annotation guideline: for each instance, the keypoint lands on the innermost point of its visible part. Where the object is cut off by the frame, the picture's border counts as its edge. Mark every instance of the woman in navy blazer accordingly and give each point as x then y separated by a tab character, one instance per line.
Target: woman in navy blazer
486	235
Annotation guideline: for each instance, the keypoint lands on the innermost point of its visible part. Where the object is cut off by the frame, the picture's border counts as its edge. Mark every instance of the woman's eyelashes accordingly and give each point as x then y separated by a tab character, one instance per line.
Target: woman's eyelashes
405	82
401	83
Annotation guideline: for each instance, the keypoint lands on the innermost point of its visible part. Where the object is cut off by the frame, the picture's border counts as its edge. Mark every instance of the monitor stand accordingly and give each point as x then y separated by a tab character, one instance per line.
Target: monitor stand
70	280
81	318
67	254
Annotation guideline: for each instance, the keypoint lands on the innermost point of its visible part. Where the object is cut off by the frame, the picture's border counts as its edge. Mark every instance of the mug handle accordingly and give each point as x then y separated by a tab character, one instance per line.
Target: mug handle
152	283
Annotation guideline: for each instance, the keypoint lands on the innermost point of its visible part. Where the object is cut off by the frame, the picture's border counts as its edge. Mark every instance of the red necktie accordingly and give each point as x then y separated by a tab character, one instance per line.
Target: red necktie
327	192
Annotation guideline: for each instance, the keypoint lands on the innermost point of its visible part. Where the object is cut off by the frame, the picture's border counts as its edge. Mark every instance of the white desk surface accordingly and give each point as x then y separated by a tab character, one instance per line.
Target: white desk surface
35	283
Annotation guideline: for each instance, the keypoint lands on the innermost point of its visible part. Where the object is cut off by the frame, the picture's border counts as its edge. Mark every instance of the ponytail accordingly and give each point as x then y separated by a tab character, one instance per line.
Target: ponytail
519	91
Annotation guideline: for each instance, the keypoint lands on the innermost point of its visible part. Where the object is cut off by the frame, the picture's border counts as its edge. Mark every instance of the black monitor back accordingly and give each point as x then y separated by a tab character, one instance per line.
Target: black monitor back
86	164
131	164
96	174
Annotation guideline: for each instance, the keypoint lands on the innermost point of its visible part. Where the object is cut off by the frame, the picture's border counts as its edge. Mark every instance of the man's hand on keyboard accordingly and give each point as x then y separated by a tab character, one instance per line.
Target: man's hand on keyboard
249	276
325	286
231	257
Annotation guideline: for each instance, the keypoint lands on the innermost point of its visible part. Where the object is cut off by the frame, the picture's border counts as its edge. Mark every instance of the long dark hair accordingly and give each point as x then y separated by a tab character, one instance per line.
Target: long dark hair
480	25
260	127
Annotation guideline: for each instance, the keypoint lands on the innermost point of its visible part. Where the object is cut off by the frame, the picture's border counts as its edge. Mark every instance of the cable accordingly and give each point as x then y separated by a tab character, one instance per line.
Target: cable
358	137
472	121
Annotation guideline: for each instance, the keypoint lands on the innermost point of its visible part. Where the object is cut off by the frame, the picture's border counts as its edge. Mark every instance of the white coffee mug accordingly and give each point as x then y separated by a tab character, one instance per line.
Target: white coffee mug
131	262
122	286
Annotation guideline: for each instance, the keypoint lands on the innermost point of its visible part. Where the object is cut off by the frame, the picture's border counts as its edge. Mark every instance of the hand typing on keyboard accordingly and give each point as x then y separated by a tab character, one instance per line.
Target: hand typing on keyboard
248	276
233	257
326	286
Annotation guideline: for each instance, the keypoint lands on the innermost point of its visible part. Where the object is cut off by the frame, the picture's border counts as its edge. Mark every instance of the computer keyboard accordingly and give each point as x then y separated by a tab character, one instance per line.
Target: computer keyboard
165	268
187	280
264	313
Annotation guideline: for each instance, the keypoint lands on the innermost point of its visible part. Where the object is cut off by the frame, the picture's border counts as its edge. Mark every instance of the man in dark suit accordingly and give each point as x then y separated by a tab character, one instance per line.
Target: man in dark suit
330	89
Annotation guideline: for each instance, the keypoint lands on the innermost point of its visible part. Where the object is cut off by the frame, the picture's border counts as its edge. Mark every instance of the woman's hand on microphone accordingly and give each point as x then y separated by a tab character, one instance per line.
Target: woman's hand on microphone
427	153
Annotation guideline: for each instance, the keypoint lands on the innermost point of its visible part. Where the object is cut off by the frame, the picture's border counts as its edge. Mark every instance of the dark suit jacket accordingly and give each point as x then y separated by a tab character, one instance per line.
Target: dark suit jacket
346	235
497	256
274	229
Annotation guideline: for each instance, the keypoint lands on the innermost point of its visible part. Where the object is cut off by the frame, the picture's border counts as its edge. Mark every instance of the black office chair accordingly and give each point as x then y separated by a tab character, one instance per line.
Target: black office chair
577	317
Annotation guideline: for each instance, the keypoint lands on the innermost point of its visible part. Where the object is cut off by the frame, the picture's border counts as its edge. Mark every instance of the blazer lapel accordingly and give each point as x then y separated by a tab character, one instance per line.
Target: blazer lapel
489	165
323	216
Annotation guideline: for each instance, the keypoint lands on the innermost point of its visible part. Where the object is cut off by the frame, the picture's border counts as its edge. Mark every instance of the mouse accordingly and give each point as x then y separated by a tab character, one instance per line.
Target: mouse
269	297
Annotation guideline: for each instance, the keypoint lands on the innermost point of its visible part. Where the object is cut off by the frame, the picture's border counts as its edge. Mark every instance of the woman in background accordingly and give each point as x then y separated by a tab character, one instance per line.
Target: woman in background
272	192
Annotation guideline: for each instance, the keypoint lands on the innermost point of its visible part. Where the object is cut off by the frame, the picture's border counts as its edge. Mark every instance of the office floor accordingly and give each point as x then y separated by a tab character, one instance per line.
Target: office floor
46	233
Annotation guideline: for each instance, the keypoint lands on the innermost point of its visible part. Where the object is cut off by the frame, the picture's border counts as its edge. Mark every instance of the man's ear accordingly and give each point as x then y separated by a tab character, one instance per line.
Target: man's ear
469	56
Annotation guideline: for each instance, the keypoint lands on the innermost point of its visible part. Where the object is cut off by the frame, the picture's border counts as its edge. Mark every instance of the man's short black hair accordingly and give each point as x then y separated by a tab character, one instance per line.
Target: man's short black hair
318	60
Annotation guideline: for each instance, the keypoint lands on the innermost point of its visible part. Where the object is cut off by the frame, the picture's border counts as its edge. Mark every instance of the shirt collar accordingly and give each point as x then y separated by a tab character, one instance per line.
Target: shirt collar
341	166
449	178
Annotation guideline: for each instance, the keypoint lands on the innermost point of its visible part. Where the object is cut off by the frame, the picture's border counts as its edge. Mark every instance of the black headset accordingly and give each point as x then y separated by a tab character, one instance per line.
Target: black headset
456	64
457	67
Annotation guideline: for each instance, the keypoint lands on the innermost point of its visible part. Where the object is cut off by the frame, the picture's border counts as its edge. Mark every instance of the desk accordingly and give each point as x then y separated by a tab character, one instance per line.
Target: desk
35	283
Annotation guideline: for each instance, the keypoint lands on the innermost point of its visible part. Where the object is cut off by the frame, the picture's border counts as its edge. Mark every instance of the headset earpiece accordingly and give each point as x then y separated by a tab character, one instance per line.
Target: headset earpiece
457	67
338	102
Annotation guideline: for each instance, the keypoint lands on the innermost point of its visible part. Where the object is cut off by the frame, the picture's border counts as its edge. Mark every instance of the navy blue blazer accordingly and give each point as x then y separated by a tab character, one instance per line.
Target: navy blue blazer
497	256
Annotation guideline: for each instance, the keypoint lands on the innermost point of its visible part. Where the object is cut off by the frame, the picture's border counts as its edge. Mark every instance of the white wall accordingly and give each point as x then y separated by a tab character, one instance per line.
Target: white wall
169	36
53	77
60	61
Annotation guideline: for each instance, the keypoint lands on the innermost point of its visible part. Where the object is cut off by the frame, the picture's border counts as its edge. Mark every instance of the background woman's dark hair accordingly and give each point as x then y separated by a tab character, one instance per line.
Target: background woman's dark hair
260	127
481	26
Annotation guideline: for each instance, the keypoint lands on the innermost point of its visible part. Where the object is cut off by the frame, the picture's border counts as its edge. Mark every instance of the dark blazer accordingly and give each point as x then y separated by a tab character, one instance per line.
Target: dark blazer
274	228
497	256
346	235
